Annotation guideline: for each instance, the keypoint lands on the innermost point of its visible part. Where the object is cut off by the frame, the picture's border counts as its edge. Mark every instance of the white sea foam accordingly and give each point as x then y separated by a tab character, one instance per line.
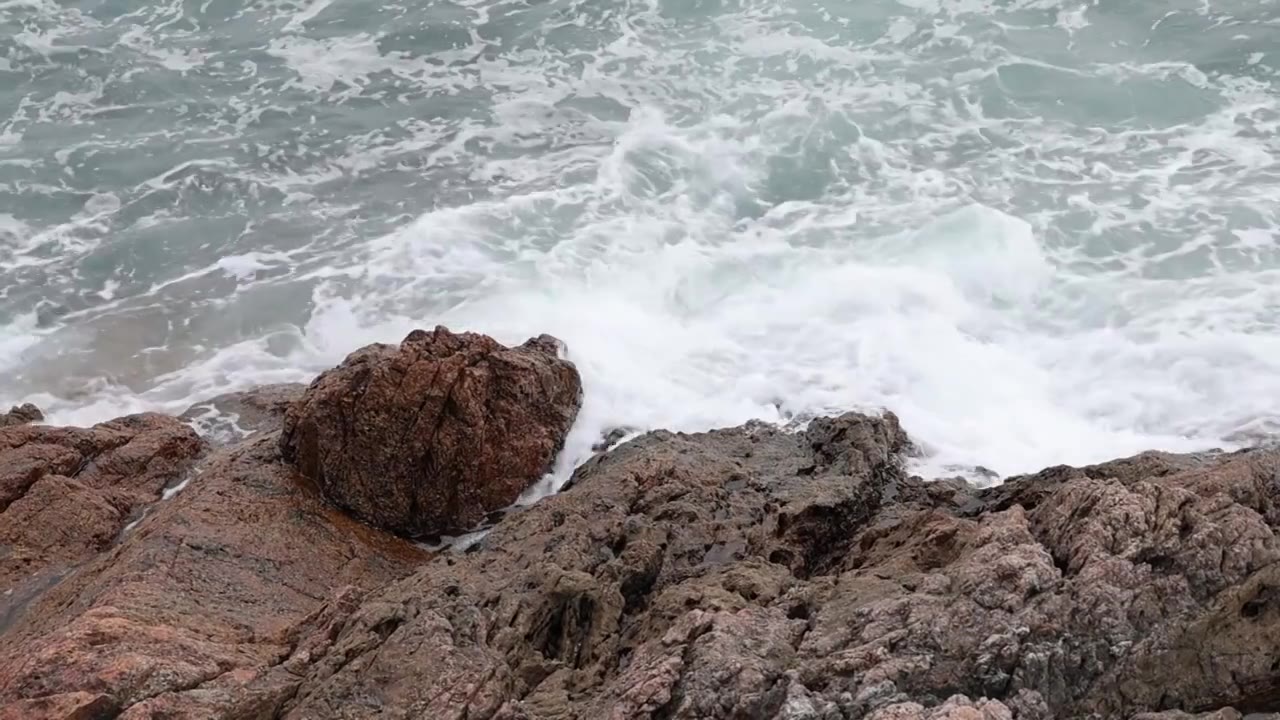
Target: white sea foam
688	318
12	230
15	338
299	21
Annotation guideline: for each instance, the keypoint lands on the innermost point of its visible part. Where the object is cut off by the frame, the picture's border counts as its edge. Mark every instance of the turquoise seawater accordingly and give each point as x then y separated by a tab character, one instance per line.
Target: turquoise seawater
1040	231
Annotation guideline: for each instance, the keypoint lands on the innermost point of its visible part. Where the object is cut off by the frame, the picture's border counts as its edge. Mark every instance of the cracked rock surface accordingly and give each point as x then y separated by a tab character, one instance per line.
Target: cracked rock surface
209	591
67	493
741	573
751	573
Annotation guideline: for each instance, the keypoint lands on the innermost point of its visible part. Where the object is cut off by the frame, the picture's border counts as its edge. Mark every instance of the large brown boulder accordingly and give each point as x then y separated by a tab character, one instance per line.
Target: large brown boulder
432	435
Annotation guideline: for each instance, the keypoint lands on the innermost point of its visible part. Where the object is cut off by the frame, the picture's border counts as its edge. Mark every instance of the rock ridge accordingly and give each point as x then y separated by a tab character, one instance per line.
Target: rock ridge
747	572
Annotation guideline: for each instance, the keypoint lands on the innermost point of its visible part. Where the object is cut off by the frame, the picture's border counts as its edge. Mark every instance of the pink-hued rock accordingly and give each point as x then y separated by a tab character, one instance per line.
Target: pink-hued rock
432	435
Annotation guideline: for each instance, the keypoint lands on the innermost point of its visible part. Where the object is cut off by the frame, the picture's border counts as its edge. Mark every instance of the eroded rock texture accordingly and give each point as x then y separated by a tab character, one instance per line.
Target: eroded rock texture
743	573
750	573
431	435
197	611
67	493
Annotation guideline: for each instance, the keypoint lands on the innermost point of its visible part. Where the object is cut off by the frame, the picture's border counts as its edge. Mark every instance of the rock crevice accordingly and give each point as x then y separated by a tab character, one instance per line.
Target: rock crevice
741	573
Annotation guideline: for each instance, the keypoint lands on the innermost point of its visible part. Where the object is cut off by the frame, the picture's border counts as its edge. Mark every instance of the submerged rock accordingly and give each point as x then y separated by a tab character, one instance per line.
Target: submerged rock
432	435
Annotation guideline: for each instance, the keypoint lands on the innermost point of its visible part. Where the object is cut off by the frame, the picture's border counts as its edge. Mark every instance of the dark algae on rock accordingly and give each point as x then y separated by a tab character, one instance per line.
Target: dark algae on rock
741	573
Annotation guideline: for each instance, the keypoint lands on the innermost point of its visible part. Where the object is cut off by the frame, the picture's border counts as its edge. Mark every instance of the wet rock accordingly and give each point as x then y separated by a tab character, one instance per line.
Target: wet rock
235	416
66	494
750	572
659	586
214	591
1097	592
756	573
429	436
21	415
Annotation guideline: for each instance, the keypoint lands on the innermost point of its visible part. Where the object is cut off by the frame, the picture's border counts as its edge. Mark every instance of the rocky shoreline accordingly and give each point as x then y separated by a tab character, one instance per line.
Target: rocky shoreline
147	571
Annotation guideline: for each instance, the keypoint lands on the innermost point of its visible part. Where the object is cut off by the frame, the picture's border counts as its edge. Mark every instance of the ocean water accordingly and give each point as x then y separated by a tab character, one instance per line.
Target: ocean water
1040	231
